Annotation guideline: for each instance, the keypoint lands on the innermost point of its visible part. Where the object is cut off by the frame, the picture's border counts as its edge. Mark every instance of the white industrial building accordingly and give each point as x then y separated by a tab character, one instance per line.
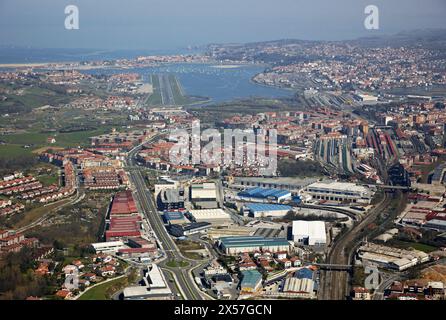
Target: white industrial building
340	192
263	210
155	286
213	216
203	191
204	195
310	233
363	97
165	183
108	247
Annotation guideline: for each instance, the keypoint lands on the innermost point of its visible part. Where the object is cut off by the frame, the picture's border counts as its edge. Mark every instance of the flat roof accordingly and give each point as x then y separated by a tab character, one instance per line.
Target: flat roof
437	222
142	291
210	214
174	215
264	193
252	241
267	207
279	180
312	229
123	203
335	185
101	245
251	277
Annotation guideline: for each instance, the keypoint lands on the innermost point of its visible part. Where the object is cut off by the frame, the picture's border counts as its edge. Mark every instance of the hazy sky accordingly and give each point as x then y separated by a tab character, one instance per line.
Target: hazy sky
164	24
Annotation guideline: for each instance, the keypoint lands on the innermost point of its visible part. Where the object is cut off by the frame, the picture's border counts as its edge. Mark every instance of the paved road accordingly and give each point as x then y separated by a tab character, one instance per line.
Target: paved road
182	276
80	195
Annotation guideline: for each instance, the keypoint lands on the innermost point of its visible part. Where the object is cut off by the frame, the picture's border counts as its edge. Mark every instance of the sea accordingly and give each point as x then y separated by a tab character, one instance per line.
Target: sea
219	83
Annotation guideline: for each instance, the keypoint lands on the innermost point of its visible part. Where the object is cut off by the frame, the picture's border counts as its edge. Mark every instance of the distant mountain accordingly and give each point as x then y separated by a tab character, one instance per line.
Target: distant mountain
426	38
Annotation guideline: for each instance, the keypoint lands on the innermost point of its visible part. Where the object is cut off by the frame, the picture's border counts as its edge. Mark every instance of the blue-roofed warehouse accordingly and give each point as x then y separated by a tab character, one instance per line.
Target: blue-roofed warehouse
263	210
304	273
251	281
261	195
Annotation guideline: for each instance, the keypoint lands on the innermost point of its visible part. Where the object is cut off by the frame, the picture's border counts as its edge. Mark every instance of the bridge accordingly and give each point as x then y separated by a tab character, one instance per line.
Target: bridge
334	267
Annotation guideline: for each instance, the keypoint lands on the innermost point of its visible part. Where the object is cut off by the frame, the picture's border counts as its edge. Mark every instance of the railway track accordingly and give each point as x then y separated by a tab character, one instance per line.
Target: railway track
335	283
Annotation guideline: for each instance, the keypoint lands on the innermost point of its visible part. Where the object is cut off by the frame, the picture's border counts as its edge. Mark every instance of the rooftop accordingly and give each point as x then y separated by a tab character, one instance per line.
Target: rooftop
250	278
252	241
344	186
267	207
263	193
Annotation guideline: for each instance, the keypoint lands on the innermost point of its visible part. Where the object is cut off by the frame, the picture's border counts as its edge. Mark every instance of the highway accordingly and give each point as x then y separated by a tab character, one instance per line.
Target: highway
181	275
335	284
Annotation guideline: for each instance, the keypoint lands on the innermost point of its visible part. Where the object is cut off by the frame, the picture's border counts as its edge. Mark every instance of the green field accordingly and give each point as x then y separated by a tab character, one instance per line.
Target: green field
13	151
37	139
31	97
48	179
177	264
100	292
415	245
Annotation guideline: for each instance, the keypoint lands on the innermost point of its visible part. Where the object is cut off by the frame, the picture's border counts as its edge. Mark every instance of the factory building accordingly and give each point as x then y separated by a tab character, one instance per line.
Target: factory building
175	217
183	230
297	287
282	183
311	233
170	199
155	287
123	227
108	247
264	195
230	231
391	258
340	192
163	184
263	210
204	195
251	281
436	224
123	204
235	245
213	216
365	98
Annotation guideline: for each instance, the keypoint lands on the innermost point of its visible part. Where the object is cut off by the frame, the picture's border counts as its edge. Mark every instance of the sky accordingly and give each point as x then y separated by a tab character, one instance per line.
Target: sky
169	24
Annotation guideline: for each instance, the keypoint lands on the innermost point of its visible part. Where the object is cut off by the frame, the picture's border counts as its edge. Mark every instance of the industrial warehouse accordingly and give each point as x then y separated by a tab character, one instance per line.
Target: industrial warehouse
213	216
263	210
310	233
391	258
340	192
235	245
261	194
